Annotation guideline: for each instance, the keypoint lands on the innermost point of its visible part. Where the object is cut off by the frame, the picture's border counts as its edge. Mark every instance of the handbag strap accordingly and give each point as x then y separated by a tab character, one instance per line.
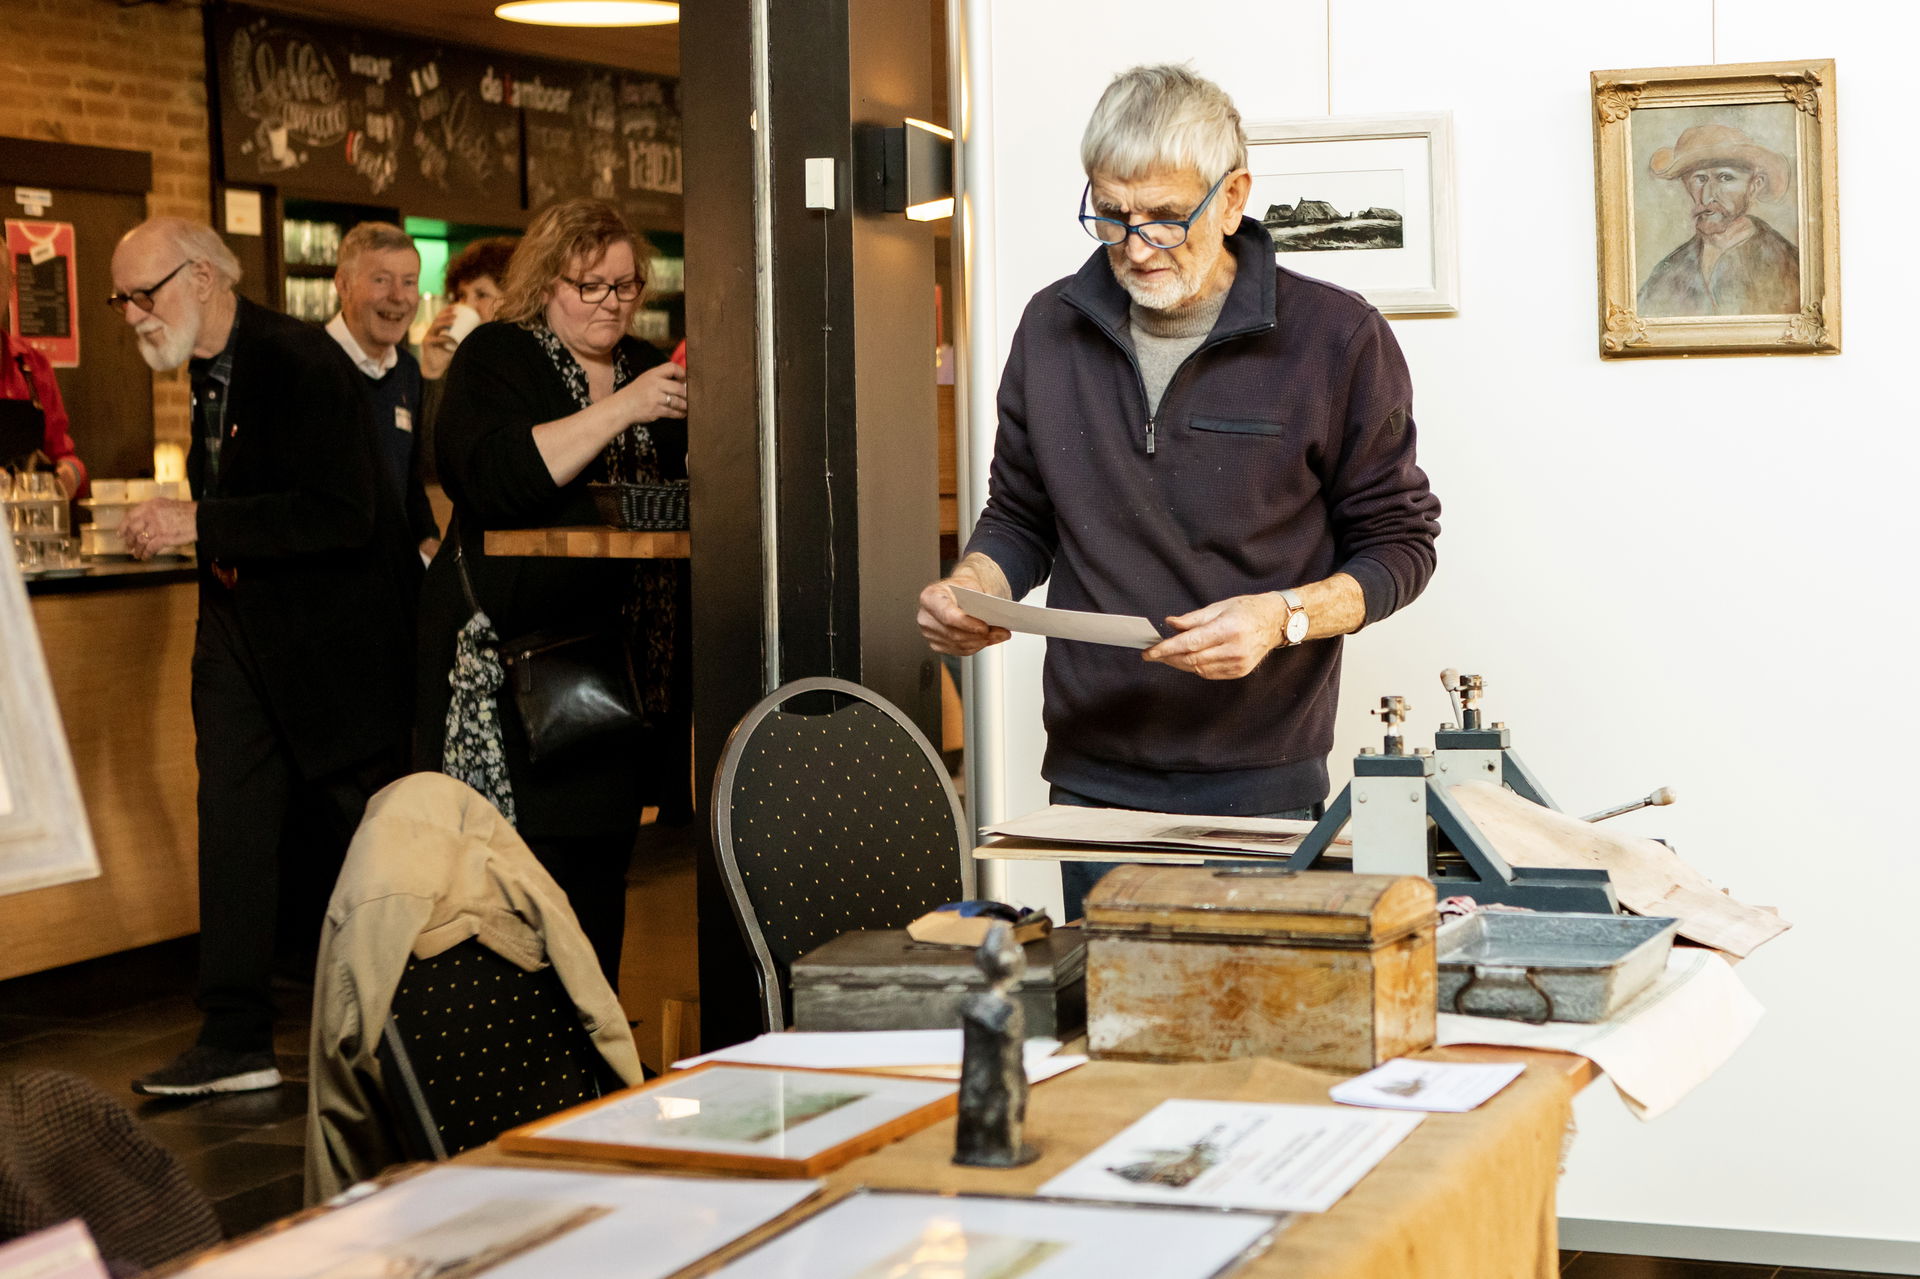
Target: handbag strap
466	583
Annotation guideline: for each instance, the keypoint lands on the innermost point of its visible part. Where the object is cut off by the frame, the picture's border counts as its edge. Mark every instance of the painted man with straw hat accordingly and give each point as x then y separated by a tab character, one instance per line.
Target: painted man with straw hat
1735	264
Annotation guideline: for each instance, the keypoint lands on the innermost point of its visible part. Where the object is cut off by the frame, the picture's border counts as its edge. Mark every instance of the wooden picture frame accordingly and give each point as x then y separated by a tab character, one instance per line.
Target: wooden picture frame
44	837
1314	182
859	1112
1718	208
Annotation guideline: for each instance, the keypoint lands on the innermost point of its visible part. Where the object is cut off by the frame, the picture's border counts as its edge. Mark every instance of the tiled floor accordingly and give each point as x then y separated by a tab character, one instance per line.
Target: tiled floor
114	1018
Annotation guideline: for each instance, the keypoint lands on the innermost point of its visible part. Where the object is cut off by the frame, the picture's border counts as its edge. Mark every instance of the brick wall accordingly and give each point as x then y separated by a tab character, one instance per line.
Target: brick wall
91	72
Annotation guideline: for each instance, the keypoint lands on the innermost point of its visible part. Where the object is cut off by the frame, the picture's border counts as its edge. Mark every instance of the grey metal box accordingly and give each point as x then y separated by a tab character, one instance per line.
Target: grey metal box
884	980
1549	966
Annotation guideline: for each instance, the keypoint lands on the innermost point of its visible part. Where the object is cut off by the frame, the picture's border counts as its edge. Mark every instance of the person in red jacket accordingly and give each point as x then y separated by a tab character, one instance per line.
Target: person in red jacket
32	416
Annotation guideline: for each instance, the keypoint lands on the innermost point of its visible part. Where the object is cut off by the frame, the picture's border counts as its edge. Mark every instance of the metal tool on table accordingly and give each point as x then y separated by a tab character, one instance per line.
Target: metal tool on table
1400	811
1467	751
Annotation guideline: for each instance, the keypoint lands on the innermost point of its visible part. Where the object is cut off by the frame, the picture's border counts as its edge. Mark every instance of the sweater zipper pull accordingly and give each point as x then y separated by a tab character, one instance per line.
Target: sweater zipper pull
1149	437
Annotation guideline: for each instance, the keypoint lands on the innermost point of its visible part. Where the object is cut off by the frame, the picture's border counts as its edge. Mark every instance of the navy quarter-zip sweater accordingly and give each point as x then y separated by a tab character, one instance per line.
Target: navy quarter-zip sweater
1282	452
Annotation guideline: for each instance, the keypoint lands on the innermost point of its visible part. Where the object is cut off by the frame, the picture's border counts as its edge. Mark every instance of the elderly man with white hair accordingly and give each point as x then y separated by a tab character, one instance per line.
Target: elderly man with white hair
1191	433
303	653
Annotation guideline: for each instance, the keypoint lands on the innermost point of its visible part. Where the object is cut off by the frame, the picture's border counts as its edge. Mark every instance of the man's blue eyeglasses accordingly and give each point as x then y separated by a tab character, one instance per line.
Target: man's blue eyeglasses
1167	234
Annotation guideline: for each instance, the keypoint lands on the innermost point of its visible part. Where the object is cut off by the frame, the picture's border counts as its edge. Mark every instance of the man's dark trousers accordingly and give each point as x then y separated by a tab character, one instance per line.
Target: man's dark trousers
266	833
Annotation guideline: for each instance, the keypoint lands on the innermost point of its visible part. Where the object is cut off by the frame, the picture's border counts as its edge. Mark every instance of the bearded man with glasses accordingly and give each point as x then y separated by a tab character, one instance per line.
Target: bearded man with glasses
303	650
1191	433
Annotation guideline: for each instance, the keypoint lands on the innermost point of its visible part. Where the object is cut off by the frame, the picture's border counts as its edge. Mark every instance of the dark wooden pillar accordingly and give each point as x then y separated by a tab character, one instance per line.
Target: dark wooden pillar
822	578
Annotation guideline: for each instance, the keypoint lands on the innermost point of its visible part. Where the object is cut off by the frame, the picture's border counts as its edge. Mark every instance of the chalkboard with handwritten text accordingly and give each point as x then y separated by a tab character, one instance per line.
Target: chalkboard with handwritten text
374	117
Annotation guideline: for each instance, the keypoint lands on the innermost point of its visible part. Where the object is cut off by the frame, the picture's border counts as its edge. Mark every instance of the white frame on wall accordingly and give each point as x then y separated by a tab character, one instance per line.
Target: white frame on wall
44	837
1430	282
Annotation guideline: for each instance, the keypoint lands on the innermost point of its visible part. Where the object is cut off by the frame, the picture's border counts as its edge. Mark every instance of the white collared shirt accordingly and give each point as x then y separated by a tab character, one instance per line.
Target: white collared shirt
337	330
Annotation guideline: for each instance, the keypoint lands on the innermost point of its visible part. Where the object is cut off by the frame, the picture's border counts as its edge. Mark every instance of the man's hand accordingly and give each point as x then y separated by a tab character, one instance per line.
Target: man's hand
1224	640
950	629
157	526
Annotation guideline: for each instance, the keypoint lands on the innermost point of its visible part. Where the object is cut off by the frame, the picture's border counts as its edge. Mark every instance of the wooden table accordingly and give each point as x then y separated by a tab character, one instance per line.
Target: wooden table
1464	1197
589	541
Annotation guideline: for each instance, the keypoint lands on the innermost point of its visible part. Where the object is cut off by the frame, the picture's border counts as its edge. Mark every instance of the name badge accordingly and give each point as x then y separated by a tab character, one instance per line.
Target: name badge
403	418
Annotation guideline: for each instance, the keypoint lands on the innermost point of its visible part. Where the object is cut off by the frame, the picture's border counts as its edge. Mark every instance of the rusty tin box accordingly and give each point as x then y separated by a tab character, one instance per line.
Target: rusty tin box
881	979
1204	963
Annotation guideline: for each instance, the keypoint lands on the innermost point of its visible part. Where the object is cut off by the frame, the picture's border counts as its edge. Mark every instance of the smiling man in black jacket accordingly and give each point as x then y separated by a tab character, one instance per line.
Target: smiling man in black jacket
1191	433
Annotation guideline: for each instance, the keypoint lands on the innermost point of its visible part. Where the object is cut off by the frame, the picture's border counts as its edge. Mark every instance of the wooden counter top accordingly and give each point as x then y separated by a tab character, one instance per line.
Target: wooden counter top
589	541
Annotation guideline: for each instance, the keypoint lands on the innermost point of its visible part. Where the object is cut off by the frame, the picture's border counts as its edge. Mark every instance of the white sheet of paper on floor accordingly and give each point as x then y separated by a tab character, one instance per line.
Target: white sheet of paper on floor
1233	1154
539	1224
1444	1086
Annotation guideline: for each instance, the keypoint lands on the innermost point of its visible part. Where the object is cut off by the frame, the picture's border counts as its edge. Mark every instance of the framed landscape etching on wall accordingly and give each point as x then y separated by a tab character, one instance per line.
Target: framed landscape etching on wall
1718	214
1365	202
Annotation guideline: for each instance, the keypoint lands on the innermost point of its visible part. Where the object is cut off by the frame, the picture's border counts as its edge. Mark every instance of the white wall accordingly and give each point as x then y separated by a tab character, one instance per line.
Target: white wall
1693	572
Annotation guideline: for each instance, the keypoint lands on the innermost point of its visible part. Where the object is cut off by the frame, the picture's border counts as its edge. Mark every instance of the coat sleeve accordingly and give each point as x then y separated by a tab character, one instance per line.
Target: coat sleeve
483	434
326	475
1016	530
1385	517
58	444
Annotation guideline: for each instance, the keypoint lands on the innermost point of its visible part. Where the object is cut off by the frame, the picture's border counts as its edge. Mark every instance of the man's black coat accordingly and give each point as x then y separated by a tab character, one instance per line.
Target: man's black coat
327	576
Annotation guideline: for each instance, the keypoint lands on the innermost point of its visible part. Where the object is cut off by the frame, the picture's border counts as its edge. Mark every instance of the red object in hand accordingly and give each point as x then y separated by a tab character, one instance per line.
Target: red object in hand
679	355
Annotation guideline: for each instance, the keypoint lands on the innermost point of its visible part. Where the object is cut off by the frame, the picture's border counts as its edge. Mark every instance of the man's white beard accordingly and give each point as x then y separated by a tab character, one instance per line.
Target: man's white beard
1167	294
164	346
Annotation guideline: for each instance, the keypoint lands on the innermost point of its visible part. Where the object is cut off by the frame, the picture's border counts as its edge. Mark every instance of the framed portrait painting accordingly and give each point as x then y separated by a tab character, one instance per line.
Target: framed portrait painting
1365	202
1718	214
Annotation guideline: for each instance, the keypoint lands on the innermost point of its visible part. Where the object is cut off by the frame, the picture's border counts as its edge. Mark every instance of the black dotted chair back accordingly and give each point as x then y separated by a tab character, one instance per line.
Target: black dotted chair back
831	821
476	1045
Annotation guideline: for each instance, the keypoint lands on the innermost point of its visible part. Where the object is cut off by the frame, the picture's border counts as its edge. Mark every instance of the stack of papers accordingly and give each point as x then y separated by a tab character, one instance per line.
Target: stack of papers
1403	1084
1125	828
929	1054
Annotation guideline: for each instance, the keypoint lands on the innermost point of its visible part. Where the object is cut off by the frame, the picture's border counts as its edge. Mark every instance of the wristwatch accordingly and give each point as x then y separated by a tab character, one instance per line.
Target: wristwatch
1297	624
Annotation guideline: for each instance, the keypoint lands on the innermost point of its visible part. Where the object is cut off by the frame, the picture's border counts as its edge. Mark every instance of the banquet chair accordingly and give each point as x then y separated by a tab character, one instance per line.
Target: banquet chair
831	812
476	1045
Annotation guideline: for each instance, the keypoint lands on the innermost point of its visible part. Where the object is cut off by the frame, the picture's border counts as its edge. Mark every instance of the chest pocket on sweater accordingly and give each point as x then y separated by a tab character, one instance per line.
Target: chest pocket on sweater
1232	426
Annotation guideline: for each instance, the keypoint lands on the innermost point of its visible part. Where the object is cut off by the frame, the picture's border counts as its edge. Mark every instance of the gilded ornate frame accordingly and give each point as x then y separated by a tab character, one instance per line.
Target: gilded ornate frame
1617	96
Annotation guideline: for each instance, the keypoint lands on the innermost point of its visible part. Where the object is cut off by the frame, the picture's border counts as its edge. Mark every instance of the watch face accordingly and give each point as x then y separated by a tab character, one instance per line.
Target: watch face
1297	626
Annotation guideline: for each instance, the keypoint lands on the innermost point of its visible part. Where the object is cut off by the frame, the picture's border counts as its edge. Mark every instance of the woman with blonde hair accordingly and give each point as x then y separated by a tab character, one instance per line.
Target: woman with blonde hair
551	395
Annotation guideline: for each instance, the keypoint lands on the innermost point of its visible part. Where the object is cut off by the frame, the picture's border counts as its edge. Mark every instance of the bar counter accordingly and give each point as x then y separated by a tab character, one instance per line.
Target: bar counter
118	639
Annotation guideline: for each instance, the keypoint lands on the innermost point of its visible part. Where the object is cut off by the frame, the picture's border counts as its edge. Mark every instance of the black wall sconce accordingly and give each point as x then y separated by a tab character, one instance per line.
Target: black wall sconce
916	172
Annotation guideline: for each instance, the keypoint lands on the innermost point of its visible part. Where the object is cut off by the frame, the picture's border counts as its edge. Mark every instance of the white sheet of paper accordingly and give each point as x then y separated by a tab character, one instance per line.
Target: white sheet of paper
64	1251
895	1235
936	1051
1657	1049
1448	1086
1059	623
1233	1154
656	1226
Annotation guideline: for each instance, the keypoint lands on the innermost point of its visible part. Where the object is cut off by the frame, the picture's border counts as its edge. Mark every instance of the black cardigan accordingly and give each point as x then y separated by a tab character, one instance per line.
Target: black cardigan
328	573
500	386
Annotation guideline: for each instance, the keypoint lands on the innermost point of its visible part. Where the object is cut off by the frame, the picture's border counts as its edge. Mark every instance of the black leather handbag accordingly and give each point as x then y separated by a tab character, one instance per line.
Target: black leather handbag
570	687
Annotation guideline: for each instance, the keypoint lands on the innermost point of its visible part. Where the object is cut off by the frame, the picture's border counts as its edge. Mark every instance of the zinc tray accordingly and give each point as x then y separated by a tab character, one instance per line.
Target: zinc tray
1548	966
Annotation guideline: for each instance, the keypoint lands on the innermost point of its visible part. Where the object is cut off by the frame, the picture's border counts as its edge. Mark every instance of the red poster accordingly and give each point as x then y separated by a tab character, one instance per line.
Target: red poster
42	310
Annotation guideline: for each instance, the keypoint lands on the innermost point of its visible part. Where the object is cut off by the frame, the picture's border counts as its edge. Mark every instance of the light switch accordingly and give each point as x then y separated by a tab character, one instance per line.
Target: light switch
820	193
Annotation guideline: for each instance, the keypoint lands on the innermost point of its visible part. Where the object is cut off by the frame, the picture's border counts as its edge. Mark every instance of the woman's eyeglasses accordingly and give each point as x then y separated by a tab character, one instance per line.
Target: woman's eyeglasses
595	291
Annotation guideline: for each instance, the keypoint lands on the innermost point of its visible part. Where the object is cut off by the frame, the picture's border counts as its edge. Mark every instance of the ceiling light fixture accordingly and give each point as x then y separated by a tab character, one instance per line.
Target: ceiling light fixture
590	13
